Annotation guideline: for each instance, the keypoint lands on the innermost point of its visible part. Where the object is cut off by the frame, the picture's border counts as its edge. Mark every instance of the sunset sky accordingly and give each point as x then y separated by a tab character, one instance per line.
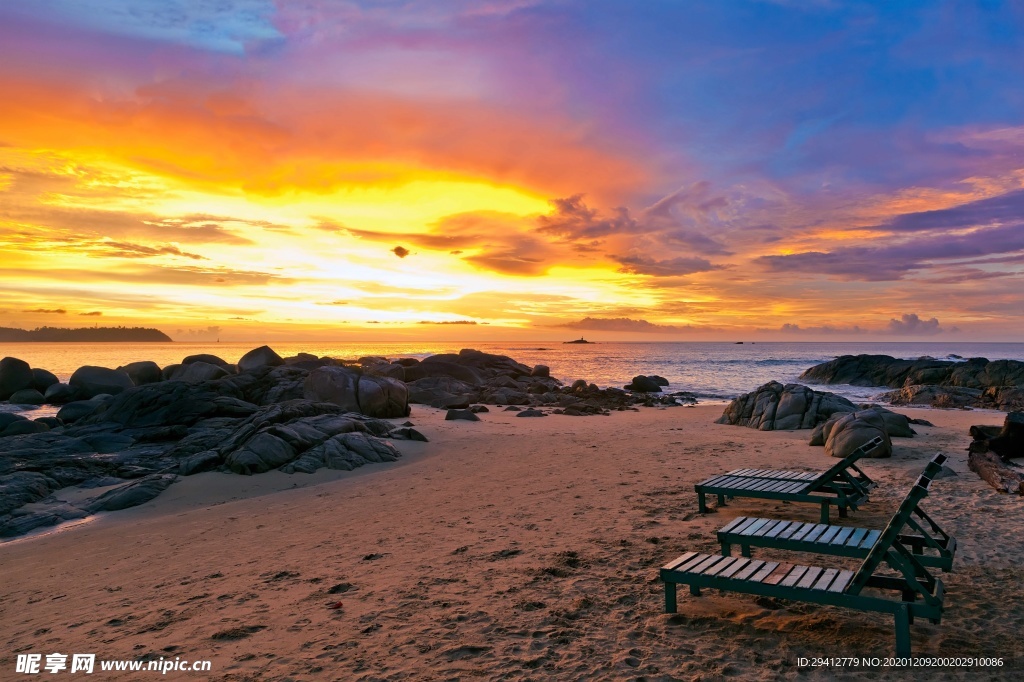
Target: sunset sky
658	170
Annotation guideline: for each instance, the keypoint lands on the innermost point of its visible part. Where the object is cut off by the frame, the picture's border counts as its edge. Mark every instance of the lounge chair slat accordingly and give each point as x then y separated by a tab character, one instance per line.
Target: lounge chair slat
736	566
815	532
829	533
774	532
778	574
750	569
810	577
871	538
841	536
693	561
764	572
734	524
765	528
794	575
706	564
722	565
789	532
754	526
841	581
678	561
857	536
825	579
802	531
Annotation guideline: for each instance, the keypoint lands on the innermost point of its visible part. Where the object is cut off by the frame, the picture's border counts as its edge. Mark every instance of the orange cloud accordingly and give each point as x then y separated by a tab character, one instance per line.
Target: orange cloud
310	139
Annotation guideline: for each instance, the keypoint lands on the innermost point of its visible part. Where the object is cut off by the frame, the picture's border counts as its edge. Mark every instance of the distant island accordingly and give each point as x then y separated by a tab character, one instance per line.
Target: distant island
579	340
59	334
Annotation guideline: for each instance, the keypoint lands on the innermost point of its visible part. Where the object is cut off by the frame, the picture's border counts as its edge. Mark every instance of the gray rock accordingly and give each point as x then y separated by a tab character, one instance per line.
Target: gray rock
198	372
22	487
9	418
58	394
433	366
207	460
24	427
143	372
850	431
408	433
42	380
167	372
777	407
15	375
90	380
466	415
643	384
355	392
392	370
540	371
131	494
579	385
52	422
27	396
263	356
660	380
531	413
74	411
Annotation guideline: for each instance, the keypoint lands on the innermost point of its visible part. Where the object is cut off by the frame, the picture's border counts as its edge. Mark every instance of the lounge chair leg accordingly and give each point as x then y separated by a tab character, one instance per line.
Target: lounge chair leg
745	550
824	512
694	590
909	596
842	512
721	500
903	631
702	506
670	597
726	549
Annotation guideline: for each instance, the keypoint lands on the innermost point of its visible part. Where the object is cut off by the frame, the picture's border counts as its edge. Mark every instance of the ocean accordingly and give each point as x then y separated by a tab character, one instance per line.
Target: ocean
715	372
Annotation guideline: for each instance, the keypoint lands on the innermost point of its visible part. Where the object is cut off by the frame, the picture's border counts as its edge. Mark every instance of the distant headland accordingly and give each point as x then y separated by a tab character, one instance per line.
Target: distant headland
59	334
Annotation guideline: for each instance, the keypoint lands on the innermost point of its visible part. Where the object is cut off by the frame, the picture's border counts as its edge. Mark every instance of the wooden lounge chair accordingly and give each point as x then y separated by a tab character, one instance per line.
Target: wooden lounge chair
920	594
932	546
836	485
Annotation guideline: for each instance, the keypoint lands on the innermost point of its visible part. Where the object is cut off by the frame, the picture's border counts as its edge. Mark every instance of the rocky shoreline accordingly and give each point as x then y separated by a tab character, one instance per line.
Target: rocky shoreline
131	431
974	382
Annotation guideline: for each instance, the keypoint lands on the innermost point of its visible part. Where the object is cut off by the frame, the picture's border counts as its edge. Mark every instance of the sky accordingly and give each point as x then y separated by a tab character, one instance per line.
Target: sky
396	170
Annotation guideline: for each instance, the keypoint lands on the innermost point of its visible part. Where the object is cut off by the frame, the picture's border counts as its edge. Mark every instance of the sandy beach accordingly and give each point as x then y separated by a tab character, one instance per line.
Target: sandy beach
509	548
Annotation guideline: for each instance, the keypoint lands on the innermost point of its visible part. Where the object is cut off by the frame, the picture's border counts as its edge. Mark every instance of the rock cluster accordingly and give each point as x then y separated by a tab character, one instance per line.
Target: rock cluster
131	431
777	407
976	382
837	423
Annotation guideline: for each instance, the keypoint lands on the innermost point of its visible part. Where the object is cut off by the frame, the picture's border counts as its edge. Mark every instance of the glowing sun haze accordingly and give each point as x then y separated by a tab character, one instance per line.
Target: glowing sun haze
515	169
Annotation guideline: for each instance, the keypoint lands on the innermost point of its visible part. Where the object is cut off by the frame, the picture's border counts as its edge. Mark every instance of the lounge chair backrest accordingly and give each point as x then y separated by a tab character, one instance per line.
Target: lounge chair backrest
836	469
884	544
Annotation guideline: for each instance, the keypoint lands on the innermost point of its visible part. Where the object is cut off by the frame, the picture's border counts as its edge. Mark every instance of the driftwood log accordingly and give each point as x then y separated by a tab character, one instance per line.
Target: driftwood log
990	453
997	472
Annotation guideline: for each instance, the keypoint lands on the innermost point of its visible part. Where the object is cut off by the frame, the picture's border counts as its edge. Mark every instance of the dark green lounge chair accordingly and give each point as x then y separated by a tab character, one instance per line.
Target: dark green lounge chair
837	485
932	546
920	594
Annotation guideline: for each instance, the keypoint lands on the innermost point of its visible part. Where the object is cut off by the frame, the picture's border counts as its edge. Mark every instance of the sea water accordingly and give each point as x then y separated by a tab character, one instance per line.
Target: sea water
715	372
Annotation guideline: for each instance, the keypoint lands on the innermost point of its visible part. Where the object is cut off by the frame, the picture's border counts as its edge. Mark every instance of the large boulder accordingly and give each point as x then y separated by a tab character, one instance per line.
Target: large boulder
15	375
27	396
143	372
774	407
263	356
210	360
58	394
198	371
90	381
643	384
443	392
356	392
42	380
79	409
433	367
850	431
23	427
132	494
